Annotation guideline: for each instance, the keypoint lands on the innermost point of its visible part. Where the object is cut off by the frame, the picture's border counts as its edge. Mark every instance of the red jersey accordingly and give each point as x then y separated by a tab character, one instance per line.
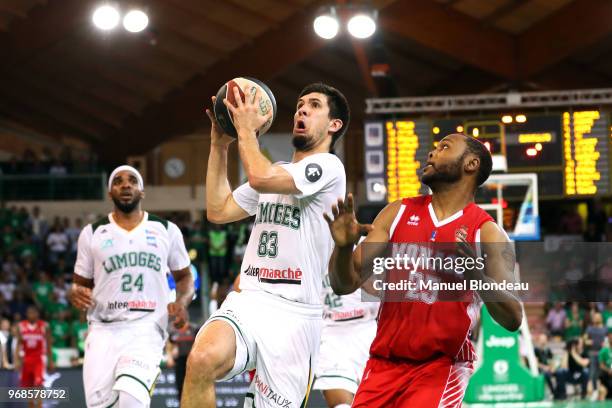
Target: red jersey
420	330
34	339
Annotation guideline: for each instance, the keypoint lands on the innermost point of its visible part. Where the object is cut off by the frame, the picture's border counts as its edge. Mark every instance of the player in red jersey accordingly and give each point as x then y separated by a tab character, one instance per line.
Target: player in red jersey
422	355
33	351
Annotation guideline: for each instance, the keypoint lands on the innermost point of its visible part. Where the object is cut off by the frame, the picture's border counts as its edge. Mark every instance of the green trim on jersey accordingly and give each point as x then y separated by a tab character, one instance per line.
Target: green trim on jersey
337	376
241	335
153	217
102	221
136	379
310	381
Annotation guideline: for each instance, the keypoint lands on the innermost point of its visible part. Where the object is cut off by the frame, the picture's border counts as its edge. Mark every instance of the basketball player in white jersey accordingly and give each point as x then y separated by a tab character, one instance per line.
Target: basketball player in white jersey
349	326
274	324
120	278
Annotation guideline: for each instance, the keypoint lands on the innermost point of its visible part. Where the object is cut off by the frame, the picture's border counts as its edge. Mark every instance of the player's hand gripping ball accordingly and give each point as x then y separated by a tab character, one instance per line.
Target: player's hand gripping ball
248	88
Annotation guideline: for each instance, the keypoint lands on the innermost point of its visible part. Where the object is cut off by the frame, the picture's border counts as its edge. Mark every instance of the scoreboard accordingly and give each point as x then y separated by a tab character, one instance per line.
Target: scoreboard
568	150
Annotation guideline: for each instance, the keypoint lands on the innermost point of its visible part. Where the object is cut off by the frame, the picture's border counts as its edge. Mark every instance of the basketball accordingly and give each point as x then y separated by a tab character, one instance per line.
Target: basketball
246	87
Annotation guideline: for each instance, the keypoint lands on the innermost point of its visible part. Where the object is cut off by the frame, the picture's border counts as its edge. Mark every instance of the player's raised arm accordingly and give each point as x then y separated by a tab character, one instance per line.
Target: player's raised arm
503	305
345	264
220	205
263	176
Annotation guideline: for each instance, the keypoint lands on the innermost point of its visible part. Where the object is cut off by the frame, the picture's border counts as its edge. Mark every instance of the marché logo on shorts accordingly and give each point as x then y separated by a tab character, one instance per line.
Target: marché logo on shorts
279	214
267	391
271	275
131	259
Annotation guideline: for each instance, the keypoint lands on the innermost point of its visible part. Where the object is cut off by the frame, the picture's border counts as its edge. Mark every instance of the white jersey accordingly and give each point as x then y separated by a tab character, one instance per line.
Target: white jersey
129	268
290	244
339	310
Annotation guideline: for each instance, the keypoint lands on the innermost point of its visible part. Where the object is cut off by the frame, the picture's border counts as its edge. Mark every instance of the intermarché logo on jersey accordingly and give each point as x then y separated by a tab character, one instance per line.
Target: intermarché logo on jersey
271	275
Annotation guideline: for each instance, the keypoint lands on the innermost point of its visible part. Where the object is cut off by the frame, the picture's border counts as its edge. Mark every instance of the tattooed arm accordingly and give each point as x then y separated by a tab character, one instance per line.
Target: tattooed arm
503	305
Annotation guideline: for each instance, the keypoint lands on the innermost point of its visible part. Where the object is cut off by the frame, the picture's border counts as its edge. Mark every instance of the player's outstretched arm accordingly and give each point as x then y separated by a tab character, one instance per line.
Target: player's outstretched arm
220	205
346	261
503	305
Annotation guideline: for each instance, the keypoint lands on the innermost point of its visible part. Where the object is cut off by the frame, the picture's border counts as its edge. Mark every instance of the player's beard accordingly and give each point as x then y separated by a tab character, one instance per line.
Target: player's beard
128	207
302	143
444	174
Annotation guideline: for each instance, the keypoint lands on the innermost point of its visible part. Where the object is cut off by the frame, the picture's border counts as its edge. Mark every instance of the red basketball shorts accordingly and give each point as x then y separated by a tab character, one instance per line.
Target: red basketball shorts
32	373
432	384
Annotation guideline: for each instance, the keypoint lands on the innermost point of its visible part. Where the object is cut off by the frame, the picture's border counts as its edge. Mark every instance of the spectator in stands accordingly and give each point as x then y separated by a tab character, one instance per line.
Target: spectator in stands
73	232
594	337
78	332
38	225
60	289
57	243
546	363
18	306
217	253
60	330
42	290
9	239
10	266
605	366
7	286
575	369
607	316
197	240
27	249
5	310
56	306
574	322
555	321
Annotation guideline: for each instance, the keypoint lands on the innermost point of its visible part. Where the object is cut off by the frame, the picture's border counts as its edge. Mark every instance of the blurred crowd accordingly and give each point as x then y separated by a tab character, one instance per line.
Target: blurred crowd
49	162
575	352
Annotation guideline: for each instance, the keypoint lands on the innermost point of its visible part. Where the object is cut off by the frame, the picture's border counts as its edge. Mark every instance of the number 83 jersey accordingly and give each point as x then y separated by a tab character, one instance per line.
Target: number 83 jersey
290	244
129	268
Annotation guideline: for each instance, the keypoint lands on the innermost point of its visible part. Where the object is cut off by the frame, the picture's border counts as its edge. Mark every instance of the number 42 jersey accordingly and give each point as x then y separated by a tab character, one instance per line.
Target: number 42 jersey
129	268
290	244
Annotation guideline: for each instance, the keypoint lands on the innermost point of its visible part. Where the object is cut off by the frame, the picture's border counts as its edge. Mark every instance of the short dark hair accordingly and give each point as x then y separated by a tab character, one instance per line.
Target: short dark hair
338	106
478	148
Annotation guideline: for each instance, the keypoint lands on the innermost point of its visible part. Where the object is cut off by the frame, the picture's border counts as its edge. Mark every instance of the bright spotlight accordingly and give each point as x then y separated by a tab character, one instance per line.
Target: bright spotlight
520	118
106	17
135	21
326	25
506	119
361	26
475	132
459	129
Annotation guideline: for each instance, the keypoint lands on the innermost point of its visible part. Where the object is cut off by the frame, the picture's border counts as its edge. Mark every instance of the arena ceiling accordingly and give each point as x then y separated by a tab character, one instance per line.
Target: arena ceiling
126	93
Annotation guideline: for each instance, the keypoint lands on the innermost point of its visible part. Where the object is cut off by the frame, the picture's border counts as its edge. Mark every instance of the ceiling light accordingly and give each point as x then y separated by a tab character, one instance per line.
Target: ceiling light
106	17
135	21
326	25
361	26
